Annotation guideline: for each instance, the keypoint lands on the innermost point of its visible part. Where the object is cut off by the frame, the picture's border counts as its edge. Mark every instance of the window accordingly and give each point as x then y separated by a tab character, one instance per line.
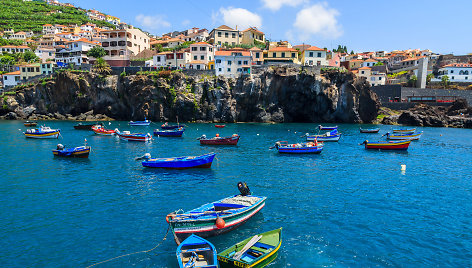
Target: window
219	69
229	62
319	54
233	43
372	79
158	59
6	77
293	55
195	57
219	43
218	61
380	78
239	70
310	54
245	62
202	57
257	54
203	48
466	78
219	34
194	48
37	69
76	45
239	62
23	69
229	69
198	67
362	72
226	35
274	55
452	71
209	57
452	78
283	54
233	35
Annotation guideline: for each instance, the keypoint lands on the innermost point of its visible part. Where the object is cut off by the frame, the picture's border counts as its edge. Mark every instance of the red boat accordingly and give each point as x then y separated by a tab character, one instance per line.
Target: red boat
220	126
233	140
100	130
391	145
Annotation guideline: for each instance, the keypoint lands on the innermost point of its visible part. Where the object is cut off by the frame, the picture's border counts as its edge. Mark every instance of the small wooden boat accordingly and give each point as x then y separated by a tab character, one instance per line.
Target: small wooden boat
140	123
30	124
126	135
369	130
167	126
405	131
217	140
86	126
299	148
391	145
217	217
42	133
220	126
398	136
334	135
100	130
196	252
169	132
320	127
184	162
81	151
257	251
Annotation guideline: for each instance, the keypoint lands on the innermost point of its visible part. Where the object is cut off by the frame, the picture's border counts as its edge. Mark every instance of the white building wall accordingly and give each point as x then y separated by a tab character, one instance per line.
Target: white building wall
313	57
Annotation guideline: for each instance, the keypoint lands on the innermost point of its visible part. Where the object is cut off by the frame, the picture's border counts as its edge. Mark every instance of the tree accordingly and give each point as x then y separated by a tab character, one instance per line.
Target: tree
96	52
7	59
429	77
352	52
379	64
102	67
412	81
445	80
29	56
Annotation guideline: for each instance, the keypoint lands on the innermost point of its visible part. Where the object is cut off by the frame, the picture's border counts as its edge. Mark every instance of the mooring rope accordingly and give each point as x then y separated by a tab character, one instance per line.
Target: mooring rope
129	254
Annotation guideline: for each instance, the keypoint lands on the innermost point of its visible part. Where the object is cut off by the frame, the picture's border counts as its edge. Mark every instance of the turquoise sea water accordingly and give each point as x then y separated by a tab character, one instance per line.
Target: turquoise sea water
345	207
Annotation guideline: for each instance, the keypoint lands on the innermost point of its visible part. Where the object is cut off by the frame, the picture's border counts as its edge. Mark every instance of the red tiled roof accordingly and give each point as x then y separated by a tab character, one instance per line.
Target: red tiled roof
315	48
370	60
13	73
459	65
200	43
229	53
364	68
282	49
224	27
253	29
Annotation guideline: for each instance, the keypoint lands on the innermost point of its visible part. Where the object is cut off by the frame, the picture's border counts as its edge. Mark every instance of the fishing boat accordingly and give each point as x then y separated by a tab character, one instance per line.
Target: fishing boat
42	133
404	131
401	136
257	251
217	140
100	130
369	130
220	126
81	151
299	148
167	126
126	135
140	123
217	217
81	126
391	145
196	252
320	127
333	135
184	162
30	124
169	132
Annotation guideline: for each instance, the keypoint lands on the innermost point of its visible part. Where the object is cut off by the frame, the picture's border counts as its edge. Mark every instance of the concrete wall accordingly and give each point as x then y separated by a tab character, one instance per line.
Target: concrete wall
392	91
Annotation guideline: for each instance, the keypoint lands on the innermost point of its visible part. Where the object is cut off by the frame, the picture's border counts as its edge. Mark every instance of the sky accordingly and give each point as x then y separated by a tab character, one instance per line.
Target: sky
363	25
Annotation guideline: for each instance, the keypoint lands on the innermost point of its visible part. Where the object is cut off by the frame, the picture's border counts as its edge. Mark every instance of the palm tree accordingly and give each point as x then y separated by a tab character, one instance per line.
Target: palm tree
445	80
102	67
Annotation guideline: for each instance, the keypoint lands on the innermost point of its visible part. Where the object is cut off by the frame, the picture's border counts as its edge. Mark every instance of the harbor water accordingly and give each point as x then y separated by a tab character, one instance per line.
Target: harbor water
347	207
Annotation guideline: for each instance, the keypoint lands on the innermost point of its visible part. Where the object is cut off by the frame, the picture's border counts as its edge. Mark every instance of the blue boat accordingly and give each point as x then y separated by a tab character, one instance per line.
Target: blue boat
167	126
196	252
140	123
320	127
328	136
80	152
299	148
42	133
169	132
202	161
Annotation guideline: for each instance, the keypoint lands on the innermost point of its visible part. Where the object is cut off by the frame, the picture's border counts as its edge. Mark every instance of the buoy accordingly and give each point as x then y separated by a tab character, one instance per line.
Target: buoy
217	135
403	167
257	134
220	223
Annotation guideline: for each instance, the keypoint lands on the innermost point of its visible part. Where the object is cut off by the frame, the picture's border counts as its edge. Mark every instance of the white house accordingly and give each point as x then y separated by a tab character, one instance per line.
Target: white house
11	79
203	53
49	29
13	49
314	56
178	59
457	72
232	63
369	63
75	52
375	78
45	53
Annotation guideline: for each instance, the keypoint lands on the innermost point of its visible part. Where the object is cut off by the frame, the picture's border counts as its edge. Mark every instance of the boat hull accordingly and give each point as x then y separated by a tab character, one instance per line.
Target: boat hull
78	153
404	137
170	127
177	133
134	137
327	128
324	138
32	124
84	127
139	123
51	135
203	161
220	126
404	131
207	227
195	245
376	130
221	141
399	146
302	150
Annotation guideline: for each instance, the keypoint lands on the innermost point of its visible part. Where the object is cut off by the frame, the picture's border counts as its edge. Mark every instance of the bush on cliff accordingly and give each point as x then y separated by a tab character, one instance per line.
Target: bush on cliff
102	67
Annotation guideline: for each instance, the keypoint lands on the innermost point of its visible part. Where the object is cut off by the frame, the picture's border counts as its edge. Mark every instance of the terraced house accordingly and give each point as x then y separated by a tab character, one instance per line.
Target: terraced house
252	36
121	44
233	63
225	35
281	54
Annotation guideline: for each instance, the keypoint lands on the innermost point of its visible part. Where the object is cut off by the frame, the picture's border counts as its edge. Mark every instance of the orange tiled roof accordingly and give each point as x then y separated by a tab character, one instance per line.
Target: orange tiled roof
459	65
47	25
282	49
314	48
200	43
13	73
224	27
370	60
229	52
365	68
253	29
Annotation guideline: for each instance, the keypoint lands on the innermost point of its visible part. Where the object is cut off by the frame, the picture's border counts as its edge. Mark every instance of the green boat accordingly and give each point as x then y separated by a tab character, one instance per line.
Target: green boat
256	251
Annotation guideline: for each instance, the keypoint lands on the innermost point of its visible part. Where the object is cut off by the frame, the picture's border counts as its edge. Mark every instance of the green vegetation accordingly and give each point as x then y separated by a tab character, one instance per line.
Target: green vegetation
445	80
5	107
159	47
31	16
246	46
394	75
173	94
123	74
379	64
412	81
429	77
8	93
102	67
340	49
96	52
8	42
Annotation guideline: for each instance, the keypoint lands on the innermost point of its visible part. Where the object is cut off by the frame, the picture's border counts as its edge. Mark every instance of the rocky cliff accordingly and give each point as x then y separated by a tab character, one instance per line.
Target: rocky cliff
272	94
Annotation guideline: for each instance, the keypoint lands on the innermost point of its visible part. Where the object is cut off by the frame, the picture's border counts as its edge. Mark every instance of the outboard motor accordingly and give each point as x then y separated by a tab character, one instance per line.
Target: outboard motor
277	145
243	188
146	156
60	147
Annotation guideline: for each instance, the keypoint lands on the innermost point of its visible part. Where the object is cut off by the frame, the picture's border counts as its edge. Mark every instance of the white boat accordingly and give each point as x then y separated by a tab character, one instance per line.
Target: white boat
42	133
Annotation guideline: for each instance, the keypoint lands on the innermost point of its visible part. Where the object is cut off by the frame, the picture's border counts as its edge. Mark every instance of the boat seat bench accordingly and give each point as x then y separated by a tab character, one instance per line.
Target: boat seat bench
195	250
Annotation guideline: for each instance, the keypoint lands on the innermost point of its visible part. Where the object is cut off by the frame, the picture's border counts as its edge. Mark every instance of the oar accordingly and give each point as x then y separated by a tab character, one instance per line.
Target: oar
271	147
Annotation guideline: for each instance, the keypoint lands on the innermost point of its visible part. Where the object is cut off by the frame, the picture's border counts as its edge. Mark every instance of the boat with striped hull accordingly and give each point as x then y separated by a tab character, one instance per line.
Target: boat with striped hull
391	145
79	152
398	136
233	210
300	148
42	133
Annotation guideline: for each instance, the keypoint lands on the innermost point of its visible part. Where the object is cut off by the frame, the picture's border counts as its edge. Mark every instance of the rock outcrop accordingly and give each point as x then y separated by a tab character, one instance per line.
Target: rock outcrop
271	94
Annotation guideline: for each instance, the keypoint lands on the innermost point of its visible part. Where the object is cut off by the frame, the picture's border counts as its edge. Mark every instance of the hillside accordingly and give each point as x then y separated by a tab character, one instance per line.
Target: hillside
31	16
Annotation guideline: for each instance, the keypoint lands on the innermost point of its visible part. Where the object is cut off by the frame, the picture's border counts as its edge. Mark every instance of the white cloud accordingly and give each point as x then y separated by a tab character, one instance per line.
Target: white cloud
277	4
240	17
152	22
186	22
318	19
